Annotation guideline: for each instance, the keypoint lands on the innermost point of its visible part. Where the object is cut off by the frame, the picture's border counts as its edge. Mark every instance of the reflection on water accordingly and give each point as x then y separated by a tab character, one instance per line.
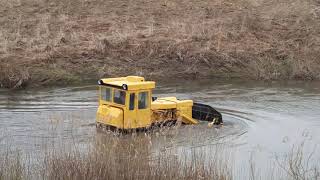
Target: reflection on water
260	117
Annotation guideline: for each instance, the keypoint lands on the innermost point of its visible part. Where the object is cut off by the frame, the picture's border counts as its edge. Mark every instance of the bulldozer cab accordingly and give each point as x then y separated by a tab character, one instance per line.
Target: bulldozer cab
125	102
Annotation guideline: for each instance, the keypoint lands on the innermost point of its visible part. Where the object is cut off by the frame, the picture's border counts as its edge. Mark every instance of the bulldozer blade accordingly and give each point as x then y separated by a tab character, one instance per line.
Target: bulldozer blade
205	112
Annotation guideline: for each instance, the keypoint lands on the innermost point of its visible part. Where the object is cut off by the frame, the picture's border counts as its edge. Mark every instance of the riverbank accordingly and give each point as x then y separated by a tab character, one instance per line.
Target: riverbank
64	42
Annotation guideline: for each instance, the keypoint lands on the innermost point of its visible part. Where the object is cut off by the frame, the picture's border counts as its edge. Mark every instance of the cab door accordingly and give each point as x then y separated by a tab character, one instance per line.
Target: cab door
130	119
143	104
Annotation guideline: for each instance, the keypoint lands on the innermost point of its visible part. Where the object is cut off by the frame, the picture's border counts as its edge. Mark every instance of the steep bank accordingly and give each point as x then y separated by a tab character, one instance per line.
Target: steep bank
45	42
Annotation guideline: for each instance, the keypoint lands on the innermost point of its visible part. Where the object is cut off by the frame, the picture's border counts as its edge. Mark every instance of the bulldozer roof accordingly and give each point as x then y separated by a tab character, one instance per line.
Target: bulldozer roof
127	83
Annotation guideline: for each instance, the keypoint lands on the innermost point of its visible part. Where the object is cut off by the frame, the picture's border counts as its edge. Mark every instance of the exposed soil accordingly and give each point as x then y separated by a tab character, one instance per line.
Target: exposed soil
56	42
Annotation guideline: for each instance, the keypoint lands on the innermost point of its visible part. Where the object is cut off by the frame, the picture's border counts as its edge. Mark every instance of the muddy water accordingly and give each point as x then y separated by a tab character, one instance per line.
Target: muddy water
263	120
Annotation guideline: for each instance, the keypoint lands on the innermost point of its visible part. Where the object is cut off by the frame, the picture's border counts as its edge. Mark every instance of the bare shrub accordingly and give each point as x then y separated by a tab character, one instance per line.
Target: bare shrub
299	165
13	77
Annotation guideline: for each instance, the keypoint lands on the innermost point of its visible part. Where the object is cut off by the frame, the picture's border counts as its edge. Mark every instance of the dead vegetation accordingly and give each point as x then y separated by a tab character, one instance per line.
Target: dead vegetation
132	160
13	77
298	164
62	41
114	156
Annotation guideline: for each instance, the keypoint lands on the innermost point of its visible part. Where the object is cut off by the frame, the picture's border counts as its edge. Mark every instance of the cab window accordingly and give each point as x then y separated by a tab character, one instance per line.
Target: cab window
143	100
119	96
106	94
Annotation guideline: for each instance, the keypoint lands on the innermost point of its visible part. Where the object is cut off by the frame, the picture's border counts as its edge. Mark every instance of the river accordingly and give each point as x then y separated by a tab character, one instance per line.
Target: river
263	120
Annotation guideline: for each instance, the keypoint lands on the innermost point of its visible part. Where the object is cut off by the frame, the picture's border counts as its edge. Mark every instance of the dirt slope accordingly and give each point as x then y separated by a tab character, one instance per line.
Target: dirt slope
48	42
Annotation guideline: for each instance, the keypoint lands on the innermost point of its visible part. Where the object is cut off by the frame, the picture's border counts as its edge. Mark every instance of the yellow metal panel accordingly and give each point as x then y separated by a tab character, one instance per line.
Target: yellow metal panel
187	119
132	82
170	103
110	116
127	79
141	85
163	104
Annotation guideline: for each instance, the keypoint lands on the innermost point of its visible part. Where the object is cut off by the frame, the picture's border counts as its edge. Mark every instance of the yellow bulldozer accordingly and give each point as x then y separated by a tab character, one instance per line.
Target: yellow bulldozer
127	103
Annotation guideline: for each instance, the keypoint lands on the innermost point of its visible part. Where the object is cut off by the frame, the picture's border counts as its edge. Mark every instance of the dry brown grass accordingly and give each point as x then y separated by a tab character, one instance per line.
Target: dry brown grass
13	77
134	156
260	39
131	160
11	167
116	157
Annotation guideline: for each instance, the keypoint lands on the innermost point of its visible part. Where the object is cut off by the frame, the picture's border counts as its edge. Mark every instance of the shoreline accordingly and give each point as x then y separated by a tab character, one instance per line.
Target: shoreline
45	77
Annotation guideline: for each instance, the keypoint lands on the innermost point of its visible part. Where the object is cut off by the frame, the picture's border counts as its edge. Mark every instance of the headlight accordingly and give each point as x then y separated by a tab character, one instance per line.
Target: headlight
124	86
